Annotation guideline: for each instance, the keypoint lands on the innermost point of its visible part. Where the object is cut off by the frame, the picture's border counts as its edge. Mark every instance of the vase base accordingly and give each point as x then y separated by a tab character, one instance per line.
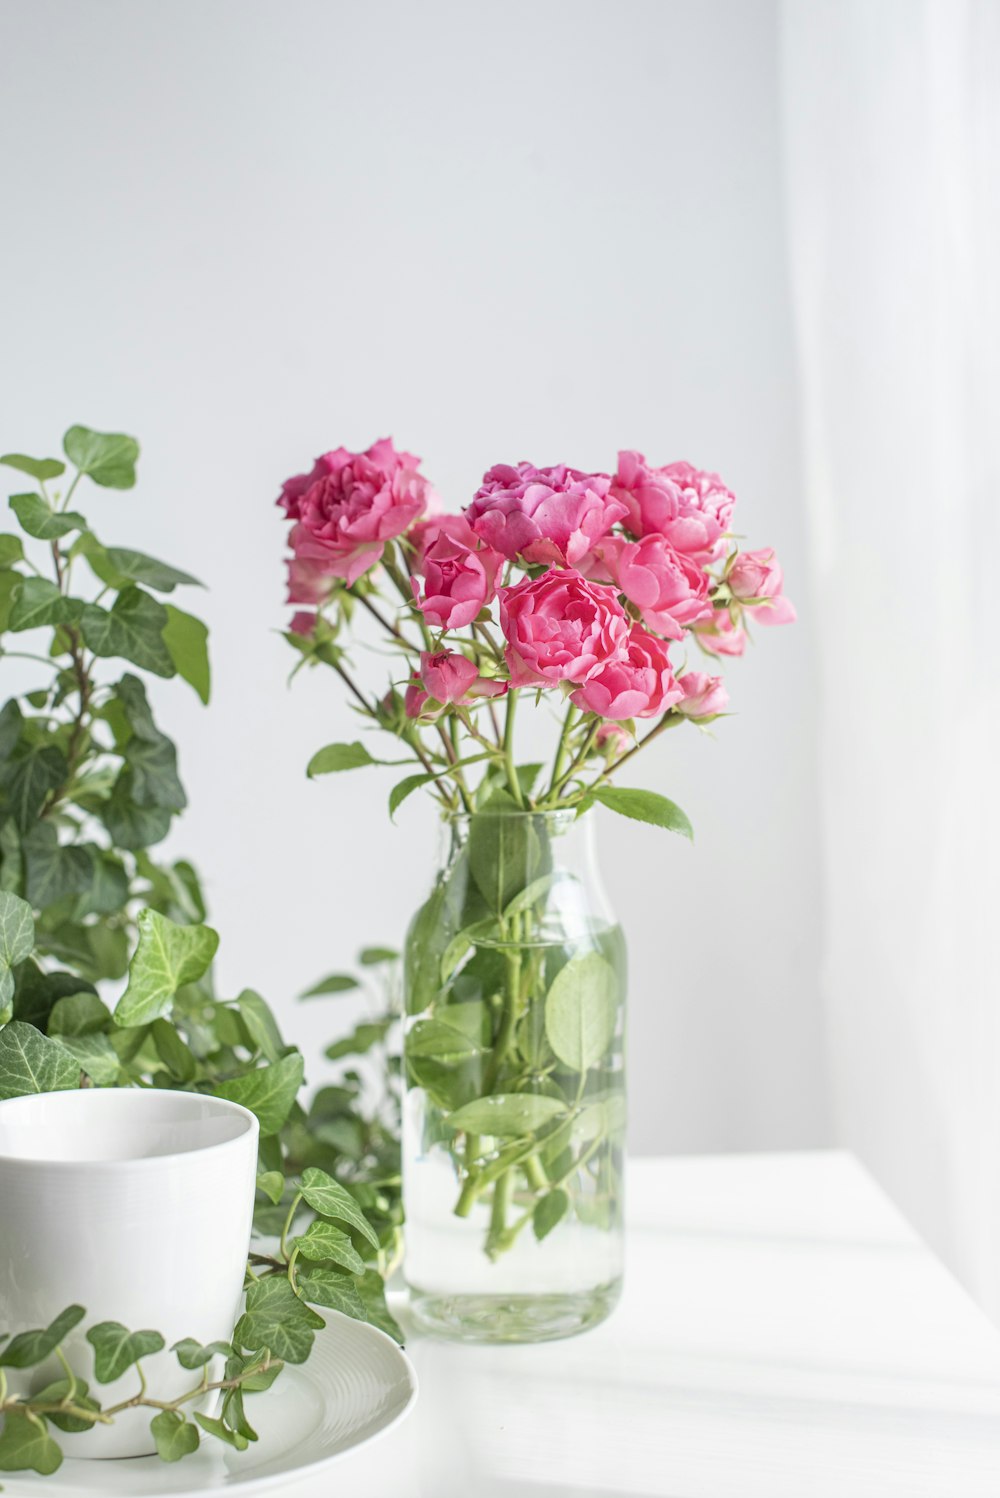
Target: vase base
512	1318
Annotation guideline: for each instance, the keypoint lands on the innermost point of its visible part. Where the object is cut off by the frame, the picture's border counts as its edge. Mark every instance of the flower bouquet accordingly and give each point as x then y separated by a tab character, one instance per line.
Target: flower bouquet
586	594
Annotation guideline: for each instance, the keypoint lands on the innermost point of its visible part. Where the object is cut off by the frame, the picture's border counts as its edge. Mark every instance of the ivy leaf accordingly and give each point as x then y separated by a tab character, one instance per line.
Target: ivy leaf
581	1009
29	780
186	639
261	1024
335	983
644	806
80	1013
26	1446
130	825
174	1436
268	1091
52	869
339	757
167	957
17	939
507	1115
41	469
138	568
11	728
149	754
109	458
330	1199
11	550
222	1432
272	1184
176	1055
116	1349
276	1318
95	1055
71	1424
192	1354
322	1240
371	1288
28	1349
31	1062
337	1292
41	521
39	602
132	629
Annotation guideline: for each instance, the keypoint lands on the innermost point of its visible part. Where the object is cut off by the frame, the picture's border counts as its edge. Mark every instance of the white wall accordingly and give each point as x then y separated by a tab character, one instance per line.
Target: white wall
247	232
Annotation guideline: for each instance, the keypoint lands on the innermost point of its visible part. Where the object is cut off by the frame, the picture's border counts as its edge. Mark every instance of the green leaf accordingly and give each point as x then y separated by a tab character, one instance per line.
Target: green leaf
132	629
361	1039
96	1056
338	1292
116	1349
53	870
214	1427
39	602
335	983
425	945
108	889
506	1115
17	940
109	458
505	851
138	568
175	1054
581	1009
149	754
405	788
193	1355
276	1318
40	520
11	728
130	825
41	469
11	550
371	1288
26	1446
644	806
549	1211
374	956
330	1199
31	1062
80	1013
440	1041
29	780
339	757
186	639
28	1349
268	1091
261	1024
174	1436
167	957
322	1240
71	1424
272	1184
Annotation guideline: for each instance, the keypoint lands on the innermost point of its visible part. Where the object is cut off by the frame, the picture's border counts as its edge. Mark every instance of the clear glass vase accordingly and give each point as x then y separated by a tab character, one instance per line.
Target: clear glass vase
514	1103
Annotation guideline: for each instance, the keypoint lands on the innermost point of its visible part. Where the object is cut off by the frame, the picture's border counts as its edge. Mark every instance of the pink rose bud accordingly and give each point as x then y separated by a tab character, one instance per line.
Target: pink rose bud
669	589
719	635
689	506
416	699
303	622
639	685
756	575
344	512
612	739
560	627
447	675
543	514
459	572
704	696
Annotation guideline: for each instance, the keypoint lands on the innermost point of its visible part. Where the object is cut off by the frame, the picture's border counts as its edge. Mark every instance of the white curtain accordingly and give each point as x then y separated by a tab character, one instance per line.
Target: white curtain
892	120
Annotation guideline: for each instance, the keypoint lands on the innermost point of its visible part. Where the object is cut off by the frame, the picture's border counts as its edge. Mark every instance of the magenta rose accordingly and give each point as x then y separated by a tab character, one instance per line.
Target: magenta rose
459	572
689	506
543	514
719	635
755	578
560	627
638	685
669	590
703	695
346	509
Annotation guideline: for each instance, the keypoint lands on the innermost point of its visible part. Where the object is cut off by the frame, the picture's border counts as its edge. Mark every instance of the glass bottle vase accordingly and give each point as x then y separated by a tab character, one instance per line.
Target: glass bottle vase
514	1101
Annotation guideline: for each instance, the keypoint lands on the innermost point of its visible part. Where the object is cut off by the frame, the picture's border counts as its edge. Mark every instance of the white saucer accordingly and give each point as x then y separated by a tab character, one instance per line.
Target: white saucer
356	1385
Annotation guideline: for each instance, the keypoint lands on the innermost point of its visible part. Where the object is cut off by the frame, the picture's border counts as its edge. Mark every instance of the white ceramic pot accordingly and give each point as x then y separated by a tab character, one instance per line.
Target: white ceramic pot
135	1204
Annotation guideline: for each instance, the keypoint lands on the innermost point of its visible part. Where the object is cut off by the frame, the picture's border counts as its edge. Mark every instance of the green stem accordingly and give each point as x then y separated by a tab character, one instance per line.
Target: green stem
561	748
296	1200
508	748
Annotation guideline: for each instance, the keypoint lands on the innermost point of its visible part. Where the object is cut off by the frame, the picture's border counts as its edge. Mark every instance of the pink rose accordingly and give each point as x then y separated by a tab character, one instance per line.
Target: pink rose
459	572
560	627
447	676
347	508
638	685
690	507
756	575
669	590
719	635
703	695
543	514
303	622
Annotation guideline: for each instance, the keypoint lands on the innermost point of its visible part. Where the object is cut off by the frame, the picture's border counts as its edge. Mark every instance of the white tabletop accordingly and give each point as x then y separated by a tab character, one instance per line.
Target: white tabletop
782	1332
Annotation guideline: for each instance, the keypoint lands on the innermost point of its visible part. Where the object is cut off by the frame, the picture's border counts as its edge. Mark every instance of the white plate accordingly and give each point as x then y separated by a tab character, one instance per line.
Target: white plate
356	1385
